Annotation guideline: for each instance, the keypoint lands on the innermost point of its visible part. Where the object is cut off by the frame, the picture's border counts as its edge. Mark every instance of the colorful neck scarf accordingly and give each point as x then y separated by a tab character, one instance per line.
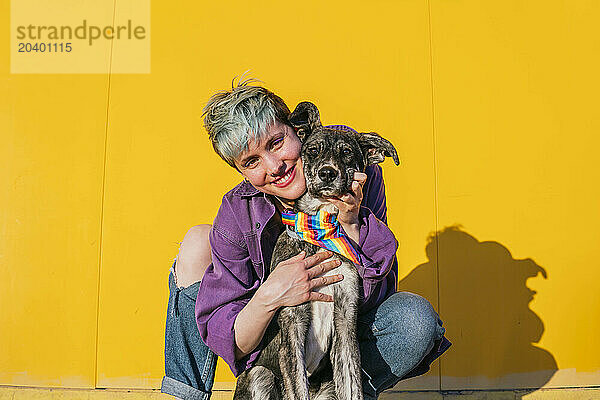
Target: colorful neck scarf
322	230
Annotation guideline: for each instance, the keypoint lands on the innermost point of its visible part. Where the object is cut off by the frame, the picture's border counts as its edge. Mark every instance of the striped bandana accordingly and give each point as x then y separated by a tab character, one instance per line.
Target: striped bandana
322	230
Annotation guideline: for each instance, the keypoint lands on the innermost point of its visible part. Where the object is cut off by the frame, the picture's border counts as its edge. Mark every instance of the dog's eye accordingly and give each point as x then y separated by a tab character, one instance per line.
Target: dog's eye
346	151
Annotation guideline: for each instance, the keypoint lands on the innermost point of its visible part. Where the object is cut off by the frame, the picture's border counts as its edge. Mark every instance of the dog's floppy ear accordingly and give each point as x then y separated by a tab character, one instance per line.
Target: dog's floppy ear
305	119
376	149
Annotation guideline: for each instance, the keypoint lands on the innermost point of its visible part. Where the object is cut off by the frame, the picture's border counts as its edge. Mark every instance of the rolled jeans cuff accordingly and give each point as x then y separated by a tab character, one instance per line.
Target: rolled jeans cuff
180	390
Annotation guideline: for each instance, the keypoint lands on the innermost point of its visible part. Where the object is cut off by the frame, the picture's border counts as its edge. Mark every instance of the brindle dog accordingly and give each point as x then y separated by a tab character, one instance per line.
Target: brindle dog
312	349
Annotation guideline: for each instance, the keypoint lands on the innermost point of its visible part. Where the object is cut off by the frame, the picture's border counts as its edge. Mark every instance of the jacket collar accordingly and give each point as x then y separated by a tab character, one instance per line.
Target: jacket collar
245	188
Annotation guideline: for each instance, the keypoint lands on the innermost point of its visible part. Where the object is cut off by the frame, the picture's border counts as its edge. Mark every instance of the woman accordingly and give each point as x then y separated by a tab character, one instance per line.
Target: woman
399	333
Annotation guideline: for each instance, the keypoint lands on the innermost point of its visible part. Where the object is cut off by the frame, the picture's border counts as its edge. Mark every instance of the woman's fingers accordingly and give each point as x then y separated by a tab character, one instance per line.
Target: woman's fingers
315	266
323	267
295	258
349	203
317	296
361	177
315	274
339	202
317	258
325	280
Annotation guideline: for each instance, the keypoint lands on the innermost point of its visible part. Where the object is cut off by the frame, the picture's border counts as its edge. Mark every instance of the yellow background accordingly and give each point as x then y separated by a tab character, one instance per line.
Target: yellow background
493	107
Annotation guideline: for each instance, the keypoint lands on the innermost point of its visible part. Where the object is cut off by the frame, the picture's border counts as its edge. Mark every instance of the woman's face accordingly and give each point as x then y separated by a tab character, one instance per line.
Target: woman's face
273	165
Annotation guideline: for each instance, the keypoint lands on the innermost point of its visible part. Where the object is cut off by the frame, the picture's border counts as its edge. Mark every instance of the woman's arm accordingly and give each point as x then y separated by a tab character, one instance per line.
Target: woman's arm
250	326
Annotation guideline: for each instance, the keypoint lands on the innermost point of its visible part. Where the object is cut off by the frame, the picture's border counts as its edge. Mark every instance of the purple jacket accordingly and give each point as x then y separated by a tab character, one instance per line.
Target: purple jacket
243	238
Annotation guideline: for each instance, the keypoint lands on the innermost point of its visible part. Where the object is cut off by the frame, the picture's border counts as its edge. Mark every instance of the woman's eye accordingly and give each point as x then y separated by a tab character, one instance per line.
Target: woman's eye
277	142
251	163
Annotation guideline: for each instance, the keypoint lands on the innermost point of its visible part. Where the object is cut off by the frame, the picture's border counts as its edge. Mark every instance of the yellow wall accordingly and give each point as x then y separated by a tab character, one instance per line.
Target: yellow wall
492	106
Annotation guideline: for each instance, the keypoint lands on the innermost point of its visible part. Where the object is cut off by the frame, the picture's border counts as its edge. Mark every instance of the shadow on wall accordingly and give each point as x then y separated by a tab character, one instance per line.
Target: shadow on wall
484	303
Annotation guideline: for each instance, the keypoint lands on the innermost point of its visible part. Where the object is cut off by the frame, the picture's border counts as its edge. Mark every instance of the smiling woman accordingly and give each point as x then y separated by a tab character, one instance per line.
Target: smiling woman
237	297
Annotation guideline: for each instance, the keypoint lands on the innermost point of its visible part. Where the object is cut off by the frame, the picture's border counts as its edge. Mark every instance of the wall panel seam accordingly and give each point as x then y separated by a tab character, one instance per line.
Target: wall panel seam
435	174
102	197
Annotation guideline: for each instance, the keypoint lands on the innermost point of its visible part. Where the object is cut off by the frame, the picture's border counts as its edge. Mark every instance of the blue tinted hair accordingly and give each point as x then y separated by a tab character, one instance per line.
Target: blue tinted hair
236	117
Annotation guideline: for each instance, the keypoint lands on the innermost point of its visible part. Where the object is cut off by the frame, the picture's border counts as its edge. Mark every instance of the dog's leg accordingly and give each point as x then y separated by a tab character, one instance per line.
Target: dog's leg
242	387
258	383
326	392
294	322
345	356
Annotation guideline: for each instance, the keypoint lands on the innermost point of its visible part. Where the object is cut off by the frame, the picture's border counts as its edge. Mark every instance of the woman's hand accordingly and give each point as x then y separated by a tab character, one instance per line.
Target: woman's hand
349	206
293	281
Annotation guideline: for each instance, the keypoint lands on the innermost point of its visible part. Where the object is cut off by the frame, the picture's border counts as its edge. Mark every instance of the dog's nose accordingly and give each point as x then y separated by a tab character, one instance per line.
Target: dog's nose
327	174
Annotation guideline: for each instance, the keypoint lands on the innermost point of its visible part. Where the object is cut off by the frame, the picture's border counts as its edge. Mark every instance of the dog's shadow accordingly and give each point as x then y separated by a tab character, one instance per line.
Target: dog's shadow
484	303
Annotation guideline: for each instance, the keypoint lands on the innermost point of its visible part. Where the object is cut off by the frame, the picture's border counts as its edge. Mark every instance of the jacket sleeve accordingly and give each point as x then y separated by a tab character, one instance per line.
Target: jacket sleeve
226	288
377	244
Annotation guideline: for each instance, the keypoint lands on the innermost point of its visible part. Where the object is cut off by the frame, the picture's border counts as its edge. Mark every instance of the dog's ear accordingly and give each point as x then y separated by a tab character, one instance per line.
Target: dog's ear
305	119
376	149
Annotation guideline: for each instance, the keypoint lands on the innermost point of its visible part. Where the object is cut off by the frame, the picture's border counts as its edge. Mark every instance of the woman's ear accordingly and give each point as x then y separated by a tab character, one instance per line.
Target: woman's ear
305	119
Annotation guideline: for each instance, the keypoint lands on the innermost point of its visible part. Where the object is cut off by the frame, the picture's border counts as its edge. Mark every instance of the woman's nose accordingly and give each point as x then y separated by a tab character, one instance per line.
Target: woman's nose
275	166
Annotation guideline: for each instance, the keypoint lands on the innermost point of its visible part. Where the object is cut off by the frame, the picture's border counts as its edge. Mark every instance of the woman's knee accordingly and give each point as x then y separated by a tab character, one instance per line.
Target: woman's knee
412	323
194	255
405	310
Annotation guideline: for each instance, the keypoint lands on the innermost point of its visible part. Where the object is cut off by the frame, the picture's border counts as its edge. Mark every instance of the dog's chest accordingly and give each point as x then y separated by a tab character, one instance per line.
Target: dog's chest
322	328
320	332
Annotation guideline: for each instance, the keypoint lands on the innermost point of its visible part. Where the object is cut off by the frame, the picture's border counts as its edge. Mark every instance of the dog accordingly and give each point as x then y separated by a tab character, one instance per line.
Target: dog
311	349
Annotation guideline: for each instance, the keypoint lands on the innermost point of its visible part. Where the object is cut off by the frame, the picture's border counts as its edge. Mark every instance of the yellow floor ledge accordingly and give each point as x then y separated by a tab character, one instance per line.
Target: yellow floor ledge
26	393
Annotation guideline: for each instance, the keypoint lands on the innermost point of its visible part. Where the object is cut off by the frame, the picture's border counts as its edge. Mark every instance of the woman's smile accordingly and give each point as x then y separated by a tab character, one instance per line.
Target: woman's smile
287	178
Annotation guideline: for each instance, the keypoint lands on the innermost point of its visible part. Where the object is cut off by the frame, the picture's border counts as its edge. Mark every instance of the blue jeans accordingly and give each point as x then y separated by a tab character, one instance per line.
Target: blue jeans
189	364
398	340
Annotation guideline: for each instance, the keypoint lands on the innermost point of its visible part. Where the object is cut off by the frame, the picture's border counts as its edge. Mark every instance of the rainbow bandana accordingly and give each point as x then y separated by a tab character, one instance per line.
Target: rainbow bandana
322	230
